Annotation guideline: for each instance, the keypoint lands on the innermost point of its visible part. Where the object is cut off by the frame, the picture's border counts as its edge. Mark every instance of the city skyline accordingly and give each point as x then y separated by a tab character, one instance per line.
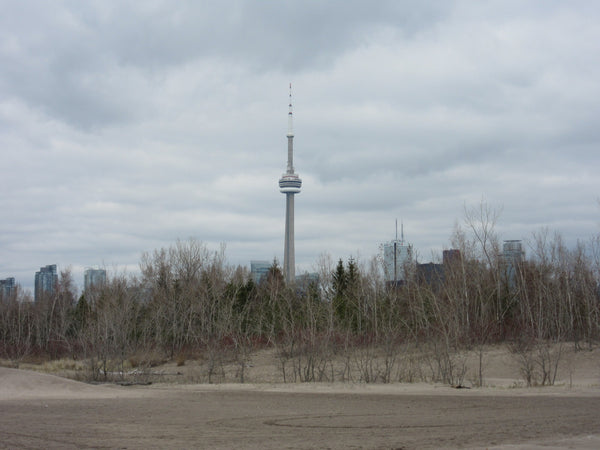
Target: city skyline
393	254
125	127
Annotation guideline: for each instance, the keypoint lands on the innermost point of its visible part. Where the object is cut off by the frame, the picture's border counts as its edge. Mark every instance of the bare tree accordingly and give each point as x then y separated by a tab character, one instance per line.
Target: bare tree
17	335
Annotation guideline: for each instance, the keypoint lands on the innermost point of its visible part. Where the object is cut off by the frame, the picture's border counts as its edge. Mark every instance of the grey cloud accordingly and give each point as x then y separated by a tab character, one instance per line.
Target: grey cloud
128	125
89	63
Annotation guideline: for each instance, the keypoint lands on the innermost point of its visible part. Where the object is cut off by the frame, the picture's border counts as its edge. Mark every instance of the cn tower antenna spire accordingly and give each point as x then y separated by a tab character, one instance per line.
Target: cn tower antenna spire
290	122
290	136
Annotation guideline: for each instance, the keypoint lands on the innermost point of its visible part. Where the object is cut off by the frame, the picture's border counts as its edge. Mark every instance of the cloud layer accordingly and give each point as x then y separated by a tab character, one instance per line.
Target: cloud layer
127	125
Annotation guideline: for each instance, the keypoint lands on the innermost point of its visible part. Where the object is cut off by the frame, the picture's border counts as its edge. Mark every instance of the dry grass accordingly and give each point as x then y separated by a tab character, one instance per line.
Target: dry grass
146	359
410	365
66	367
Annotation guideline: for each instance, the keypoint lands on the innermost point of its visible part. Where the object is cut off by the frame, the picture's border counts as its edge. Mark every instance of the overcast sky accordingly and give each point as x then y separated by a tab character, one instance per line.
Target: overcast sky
125	126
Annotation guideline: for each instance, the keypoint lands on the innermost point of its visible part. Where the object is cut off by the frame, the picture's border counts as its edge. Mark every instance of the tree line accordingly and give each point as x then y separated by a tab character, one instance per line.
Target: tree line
187	298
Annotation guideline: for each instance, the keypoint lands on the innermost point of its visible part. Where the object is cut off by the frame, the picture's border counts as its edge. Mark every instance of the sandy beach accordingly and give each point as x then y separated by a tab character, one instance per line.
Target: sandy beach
45	411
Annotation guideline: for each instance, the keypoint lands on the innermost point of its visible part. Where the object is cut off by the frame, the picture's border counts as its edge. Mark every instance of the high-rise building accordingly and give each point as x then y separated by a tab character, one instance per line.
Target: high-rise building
259	270
512	256
93	277
8	288
46	281
431	274
451	257
512	251
289	184
396	256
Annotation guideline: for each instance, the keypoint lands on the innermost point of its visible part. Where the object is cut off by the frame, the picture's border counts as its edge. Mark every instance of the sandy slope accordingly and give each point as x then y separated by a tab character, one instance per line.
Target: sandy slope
45	411
24	384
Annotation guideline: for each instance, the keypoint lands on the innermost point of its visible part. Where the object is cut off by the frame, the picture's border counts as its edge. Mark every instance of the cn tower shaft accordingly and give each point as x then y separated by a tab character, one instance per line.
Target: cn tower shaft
289	184
289	252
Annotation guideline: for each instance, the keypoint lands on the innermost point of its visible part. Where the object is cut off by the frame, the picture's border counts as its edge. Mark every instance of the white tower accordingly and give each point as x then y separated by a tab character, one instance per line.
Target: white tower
289	184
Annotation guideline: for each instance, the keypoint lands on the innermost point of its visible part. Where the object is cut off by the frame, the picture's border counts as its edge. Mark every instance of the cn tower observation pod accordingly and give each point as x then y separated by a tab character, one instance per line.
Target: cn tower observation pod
290	183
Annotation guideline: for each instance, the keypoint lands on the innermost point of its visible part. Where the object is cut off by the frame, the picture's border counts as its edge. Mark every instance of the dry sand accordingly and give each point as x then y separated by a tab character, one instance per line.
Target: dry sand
45	411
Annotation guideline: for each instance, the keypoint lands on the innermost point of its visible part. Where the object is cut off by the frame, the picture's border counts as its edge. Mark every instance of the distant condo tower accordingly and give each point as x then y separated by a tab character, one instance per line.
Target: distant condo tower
289	184
396	255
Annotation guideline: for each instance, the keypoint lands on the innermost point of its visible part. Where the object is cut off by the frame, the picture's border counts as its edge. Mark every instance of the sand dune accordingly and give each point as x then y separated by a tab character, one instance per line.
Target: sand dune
45	411
25	384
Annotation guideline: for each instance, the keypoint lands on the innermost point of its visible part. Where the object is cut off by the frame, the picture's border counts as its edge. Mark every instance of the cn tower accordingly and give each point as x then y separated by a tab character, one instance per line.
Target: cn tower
289	184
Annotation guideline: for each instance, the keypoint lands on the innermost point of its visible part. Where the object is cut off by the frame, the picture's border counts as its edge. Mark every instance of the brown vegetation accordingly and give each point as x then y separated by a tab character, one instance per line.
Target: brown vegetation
349	326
